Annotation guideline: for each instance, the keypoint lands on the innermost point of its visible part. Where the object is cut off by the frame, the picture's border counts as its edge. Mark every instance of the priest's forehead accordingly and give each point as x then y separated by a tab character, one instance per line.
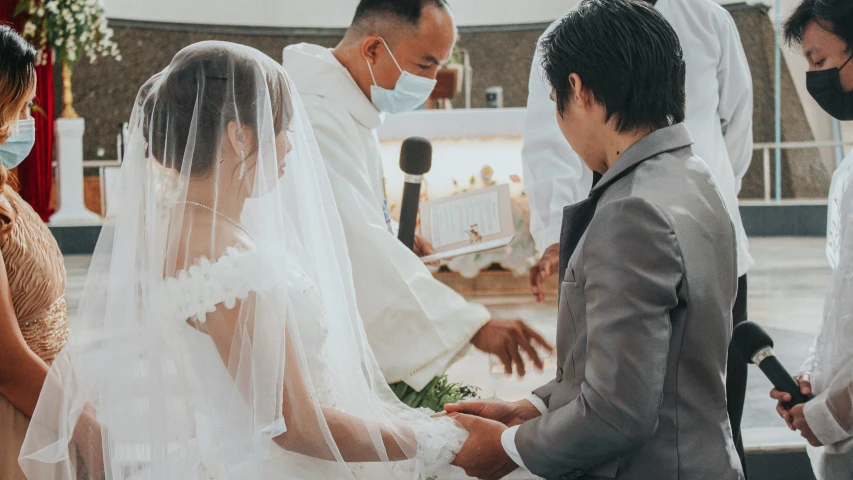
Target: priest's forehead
423	31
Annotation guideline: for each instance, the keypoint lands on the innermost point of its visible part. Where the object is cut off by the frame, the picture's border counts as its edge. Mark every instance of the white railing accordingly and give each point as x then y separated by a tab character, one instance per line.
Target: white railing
767	147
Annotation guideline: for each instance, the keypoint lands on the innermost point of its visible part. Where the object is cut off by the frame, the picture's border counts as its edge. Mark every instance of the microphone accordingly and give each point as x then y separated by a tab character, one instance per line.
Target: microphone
755	346
415	161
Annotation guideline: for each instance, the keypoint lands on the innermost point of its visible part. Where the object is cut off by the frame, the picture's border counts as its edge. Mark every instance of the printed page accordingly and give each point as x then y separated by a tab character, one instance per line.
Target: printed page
467	219
469	222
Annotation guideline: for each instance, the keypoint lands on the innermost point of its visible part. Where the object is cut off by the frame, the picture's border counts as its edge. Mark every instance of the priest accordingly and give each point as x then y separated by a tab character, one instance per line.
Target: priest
387	63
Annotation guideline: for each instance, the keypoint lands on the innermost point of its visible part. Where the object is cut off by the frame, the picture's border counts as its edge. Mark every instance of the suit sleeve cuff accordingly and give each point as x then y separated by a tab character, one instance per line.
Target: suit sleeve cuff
508	442
538	403
822	422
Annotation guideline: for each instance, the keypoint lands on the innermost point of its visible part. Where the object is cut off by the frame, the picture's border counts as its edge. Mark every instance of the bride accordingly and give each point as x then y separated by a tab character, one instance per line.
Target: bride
218	335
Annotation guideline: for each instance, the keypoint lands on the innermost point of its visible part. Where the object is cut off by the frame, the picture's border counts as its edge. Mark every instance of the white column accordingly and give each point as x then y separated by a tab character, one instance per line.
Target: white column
69	153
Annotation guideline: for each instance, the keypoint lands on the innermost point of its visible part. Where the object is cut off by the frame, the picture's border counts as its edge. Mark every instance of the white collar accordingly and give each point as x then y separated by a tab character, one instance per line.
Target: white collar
315	71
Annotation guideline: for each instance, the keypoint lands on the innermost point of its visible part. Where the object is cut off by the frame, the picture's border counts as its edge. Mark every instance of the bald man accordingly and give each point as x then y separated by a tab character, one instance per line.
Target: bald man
387	63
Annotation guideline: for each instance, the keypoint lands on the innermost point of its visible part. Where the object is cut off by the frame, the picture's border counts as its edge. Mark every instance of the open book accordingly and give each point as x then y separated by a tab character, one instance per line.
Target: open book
469	222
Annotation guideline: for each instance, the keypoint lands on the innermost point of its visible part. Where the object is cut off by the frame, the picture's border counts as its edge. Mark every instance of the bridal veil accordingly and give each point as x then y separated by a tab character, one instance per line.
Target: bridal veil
218	335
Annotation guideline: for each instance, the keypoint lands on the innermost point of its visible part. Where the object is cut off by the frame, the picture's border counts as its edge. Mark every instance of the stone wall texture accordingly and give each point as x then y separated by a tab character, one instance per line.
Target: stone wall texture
104	92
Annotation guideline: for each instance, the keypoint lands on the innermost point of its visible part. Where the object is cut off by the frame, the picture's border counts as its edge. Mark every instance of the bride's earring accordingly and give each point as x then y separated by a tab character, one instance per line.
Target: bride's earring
242	164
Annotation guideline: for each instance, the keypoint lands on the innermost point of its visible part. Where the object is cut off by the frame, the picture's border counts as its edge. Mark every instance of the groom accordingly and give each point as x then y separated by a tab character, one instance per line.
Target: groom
649	277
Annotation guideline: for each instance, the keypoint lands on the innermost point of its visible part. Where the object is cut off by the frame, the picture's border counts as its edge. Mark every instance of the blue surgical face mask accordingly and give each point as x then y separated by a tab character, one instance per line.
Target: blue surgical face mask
18	146
410	92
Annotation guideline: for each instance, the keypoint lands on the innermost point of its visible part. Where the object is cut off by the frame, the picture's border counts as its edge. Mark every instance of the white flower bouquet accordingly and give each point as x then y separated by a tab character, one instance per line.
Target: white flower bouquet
73	29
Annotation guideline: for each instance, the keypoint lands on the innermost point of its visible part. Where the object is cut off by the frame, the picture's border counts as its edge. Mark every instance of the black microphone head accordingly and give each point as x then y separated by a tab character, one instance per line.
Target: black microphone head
416	156
748	338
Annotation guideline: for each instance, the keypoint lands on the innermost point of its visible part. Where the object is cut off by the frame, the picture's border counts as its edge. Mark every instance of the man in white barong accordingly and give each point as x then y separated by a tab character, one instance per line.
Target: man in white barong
824	30
387	63
719	119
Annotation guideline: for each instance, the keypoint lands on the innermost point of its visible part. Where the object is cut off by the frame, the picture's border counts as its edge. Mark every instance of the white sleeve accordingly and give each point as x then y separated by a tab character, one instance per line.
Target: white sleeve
508	442
416	325
830	414
508	437
735	109
823	423
554	175
538	403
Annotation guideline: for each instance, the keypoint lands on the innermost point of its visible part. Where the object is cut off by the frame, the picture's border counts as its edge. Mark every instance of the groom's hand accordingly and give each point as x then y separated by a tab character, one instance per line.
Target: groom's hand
483	456
507	413
506	339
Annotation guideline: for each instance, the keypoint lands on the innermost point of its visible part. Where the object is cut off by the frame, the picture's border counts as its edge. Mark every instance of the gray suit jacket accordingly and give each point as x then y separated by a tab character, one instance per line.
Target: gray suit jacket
645	316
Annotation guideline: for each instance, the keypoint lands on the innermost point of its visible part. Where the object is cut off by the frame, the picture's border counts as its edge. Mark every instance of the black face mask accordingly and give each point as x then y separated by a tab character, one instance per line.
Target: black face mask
825	87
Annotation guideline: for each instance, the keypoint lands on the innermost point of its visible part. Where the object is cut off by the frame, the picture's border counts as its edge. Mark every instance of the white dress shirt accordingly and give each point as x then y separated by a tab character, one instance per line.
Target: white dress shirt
508	437
719	118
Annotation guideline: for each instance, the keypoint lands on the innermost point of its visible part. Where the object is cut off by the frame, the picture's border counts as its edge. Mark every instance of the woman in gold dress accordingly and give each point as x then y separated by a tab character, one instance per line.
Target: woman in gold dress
33	319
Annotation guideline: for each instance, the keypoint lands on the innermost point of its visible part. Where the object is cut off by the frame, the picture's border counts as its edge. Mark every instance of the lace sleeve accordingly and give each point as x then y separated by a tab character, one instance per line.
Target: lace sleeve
439	443
196	291
439	440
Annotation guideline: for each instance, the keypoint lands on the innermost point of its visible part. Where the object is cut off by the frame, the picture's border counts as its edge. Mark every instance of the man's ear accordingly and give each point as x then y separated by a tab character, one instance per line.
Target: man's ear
370	47
580	93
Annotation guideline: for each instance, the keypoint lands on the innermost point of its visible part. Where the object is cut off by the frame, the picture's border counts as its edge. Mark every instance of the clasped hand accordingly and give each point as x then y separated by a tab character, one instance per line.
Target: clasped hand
483	455
795	416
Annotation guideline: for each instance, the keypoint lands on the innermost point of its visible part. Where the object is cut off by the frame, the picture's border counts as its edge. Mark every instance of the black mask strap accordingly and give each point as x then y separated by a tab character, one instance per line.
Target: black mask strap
845	63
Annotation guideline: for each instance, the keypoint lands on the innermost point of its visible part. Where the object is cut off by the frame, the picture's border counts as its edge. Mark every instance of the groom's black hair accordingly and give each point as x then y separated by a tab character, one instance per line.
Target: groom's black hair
406	10
627	55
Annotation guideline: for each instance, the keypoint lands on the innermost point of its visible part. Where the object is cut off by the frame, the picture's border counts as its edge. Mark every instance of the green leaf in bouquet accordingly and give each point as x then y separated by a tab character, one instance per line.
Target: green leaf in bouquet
410	398
400	389
439	392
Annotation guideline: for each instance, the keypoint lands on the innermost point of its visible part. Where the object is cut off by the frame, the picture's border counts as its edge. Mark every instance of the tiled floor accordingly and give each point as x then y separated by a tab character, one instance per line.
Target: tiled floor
786	291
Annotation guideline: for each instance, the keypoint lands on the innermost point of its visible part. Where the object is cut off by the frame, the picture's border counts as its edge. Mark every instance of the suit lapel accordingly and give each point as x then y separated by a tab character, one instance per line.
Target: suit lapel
576	218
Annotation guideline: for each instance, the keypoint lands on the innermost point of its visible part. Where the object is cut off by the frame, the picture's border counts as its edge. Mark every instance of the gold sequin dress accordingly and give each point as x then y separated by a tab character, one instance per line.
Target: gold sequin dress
36	275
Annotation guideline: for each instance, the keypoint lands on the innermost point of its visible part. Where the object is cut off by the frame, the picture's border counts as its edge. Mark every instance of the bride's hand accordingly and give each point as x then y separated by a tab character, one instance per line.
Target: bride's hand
89	437
508	413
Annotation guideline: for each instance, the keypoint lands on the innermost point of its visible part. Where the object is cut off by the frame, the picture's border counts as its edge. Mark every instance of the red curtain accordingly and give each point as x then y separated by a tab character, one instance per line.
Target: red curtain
36	173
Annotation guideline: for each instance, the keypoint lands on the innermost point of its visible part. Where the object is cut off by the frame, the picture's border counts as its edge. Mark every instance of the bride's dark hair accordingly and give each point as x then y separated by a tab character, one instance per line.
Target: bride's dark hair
199	95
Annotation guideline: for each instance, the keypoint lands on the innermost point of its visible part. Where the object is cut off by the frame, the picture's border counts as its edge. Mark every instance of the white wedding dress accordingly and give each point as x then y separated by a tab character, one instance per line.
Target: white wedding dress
241	272
218	335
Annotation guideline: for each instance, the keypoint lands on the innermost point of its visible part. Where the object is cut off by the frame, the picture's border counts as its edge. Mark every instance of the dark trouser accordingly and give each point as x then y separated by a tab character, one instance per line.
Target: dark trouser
736	374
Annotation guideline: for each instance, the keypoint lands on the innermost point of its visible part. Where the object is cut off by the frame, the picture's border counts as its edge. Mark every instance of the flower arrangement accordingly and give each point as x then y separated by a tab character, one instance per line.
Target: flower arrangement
73	29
